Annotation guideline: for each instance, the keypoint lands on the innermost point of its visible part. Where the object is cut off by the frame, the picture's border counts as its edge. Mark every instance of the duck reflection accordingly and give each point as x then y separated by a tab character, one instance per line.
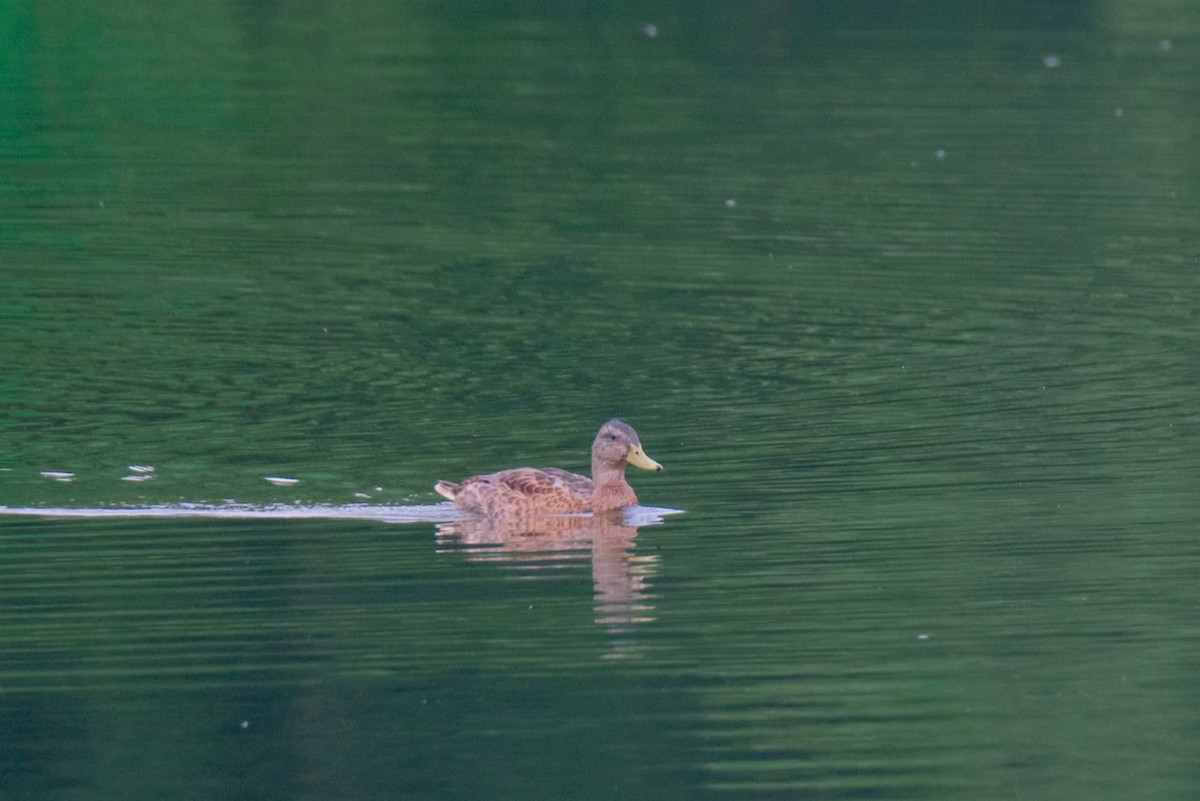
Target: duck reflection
620	576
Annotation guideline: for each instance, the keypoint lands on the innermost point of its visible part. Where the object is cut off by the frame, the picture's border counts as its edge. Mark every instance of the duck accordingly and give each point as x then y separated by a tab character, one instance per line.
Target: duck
526	491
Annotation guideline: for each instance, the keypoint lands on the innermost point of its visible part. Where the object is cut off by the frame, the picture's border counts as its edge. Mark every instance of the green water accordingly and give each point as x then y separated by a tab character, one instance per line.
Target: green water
903	299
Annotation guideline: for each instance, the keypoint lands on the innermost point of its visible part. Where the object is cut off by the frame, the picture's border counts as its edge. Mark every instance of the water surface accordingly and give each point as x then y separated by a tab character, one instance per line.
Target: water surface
903	300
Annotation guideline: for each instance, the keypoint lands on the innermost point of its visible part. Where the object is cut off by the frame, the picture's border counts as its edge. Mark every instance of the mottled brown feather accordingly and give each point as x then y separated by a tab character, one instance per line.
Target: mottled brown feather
523	489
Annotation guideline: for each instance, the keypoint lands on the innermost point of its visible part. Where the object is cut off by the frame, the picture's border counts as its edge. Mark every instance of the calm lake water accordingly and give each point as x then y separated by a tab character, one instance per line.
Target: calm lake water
904	299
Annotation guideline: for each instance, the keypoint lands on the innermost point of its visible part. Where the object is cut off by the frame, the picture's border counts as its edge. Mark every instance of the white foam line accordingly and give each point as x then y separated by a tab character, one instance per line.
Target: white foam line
440	513
437	513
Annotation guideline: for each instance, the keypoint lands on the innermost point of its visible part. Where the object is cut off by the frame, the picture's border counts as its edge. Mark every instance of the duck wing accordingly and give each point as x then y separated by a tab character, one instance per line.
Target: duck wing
544	480
522	490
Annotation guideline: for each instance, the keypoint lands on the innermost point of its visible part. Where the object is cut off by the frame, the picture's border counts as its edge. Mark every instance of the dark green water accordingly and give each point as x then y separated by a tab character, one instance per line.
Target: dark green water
904	299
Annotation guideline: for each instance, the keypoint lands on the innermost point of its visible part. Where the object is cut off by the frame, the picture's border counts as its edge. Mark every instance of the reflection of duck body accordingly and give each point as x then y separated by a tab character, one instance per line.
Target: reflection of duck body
620	578
549	490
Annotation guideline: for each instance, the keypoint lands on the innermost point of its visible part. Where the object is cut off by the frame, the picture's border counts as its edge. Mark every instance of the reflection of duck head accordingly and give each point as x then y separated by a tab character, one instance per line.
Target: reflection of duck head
526	491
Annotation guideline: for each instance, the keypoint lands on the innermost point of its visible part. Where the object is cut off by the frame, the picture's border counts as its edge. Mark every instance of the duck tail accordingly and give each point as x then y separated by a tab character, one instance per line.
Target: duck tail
447	489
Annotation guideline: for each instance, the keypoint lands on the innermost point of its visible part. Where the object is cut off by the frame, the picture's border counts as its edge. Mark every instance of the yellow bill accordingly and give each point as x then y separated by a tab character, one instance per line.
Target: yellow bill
638	458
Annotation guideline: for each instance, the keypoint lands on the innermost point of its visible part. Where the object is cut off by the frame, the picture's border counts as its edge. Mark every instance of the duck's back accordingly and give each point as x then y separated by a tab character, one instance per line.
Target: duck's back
521	491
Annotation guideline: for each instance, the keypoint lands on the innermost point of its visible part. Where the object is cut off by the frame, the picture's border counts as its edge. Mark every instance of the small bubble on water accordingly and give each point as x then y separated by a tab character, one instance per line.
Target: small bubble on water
651	30
730	202
1052	62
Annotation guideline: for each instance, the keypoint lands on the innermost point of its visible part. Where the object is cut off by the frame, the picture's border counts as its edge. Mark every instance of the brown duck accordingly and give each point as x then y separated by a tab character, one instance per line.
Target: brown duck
551	491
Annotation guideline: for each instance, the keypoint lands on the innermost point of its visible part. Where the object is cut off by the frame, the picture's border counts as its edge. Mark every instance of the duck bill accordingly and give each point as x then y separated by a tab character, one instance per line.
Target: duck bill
638	458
